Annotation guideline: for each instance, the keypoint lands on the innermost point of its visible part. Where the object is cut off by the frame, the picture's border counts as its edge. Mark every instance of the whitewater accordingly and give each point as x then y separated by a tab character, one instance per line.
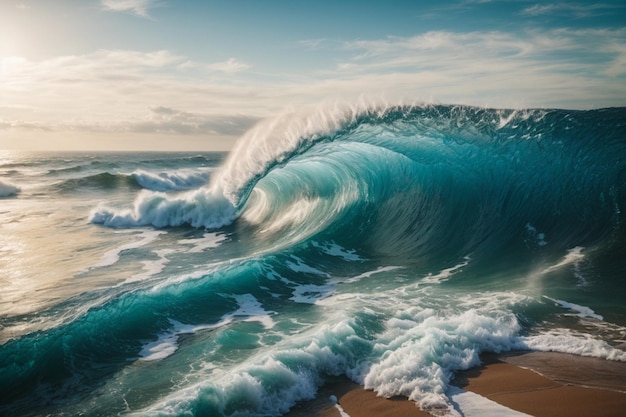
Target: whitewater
390	244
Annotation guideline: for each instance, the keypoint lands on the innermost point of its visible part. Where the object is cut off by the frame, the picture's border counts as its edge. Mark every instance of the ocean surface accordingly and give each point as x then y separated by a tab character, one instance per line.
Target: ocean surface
390	244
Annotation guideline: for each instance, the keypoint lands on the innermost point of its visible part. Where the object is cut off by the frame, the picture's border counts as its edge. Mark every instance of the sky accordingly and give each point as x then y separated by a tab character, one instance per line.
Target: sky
196	74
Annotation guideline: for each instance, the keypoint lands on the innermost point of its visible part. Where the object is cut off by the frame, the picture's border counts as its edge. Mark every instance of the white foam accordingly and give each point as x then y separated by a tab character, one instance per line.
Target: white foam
310	293
250	309
415	356
333	249
445	274
166	345
582	311
568	341
469	404
167	342
252	378
8	190
366	274
316	294
300	266
199	208
113	256
202	271
151	268
208	241
573	256
421	349
342	412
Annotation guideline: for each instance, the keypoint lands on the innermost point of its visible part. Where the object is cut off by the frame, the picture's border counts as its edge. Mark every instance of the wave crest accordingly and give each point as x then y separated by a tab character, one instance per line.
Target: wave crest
405	174
199	208
8	190
171	181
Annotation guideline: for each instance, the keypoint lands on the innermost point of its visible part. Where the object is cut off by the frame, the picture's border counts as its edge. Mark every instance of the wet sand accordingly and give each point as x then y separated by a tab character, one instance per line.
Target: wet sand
536	383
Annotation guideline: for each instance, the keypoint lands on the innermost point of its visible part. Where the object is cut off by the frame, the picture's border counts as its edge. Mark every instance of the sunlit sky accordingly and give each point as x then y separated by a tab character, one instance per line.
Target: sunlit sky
196	74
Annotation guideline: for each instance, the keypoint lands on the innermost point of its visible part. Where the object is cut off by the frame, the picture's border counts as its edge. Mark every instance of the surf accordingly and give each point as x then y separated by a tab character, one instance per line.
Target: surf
407	172
389	244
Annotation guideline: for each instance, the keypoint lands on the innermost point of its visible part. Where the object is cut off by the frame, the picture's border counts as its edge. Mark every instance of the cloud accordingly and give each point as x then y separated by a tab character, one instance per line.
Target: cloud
160	92
168	120
229	66
312	44
573	9
137	7
592	51
109	90
20	124
564	68
158	120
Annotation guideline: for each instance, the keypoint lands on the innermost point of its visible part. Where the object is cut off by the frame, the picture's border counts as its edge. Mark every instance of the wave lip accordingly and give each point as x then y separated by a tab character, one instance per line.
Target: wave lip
8	190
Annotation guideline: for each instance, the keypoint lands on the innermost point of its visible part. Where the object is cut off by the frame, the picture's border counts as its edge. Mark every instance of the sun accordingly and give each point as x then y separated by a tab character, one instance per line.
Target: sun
15	28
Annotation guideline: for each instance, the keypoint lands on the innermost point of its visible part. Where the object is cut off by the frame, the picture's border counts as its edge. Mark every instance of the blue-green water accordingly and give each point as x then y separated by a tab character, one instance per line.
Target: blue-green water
392	245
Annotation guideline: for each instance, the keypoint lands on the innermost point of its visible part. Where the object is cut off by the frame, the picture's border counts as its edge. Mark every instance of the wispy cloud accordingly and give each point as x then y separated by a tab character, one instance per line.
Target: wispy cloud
590	50
137	7
166	93
109	90
161	119
313	43
541	68
230	66
572	9
158	120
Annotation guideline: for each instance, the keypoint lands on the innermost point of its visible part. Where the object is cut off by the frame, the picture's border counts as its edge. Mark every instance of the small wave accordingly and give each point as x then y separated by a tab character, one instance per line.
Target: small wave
8	190
171	181
167	342
199	208
164	181
102	180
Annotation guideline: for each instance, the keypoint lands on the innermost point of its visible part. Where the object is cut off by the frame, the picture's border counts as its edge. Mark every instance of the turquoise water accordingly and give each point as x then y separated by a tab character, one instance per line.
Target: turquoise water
392	245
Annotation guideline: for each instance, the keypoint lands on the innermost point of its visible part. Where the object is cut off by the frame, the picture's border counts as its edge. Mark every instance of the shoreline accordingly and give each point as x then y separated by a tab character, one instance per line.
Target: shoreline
540	384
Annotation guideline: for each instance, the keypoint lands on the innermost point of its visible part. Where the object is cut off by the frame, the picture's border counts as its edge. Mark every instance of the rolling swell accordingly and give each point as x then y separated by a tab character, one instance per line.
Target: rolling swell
140	179
73	358
102	180
413	179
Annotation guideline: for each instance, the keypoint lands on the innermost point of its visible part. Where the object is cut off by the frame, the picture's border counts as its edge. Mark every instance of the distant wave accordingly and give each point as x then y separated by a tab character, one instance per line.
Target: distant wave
8	190
102	180
163	181
170	181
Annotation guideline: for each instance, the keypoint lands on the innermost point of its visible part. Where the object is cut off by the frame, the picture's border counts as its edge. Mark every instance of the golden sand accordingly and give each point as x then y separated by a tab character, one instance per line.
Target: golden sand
539	384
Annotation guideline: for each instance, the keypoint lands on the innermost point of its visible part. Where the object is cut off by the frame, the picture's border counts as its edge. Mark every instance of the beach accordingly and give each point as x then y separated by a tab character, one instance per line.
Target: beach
540	384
